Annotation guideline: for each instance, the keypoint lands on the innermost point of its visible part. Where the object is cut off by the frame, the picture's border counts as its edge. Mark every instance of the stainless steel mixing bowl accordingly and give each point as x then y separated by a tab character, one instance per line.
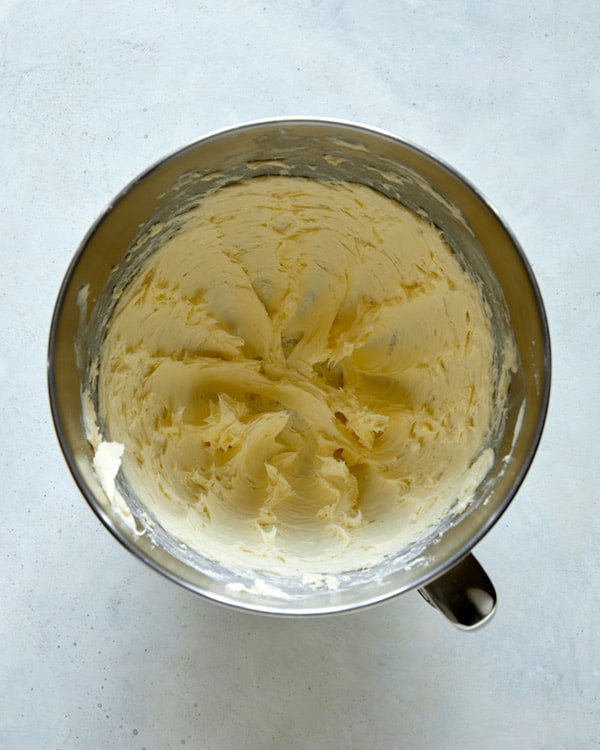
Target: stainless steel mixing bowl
439	566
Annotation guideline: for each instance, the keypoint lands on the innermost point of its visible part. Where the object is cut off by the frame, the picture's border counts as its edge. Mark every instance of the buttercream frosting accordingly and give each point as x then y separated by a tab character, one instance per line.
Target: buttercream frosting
301	376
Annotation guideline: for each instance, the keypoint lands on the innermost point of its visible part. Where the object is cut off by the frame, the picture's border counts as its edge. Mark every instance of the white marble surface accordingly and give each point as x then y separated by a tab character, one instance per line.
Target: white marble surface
99	652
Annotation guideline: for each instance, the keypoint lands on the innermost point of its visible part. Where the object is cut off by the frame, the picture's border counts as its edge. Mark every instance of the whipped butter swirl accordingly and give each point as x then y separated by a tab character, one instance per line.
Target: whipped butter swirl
301	377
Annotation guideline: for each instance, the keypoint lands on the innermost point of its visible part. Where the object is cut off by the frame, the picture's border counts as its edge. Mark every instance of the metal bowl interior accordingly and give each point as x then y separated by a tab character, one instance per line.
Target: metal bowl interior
322	149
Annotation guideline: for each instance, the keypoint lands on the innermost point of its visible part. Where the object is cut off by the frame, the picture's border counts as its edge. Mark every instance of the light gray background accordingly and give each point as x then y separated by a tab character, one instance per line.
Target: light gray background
99	652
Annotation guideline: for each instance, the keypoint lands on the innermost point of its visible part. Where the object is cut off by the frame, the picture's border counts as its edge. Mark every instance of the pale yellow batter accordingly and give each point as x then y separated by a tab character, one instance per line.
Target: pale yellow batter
301	377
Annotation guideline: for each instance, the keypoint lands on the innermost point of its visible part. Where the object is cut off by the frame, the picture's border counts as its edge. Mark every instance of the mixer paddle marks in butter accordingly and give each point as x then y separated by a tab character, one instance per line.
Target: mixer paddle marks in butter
301	377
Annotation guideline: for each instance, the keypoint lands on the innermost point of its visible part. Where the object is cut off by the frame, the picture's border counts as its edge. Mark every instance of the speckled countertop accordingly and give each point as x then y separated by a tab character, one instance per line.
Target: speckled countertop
100	652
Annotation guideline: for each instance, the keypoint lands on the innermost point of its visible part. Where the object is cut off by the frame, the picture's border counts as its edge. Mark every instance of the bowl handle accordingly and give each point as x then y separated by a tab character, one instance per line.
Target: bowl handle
464	594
